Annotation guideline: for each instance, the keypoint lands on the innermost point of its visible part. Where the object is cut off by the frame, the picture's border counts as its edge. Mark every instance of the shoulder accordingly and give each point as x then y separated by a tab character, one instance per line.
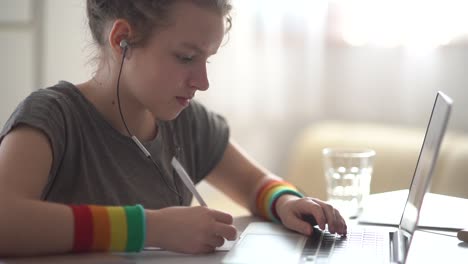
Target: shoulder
57	94
44	109
59	102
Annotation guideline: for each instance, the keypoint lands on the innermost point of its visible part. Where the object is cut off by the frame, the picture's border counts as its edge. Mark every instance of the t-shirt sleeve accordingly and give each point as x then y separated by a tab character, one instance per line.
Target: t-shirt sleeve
40	110
211	136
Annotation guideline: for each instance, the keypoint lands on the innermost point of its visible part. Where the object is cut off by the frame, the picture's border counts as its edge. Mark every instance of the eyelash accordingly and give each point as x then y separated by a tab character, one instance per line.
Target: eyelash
186	59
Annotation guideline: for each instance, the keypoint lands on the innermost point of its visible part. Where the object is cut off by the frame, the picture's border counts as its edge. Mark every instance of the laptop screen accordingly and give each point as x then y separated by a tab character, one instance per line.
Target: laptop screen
426	163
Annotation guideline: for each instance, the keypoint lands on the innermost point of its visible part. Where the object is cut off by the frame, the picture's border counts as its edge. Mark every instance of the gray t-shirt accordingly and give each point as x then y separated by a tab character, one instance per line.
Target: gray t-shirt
95	164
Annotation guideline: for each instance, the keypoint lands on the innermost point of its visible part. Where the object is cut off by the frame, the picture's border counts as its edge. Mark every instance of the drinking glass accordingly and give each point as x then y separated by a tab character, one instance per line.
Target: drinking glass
348	174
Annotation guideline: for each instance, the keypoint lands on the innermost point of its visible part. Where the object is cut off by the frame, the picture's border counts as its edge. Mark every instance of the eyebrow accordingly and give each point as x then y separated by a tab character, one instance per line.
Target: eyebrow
194	47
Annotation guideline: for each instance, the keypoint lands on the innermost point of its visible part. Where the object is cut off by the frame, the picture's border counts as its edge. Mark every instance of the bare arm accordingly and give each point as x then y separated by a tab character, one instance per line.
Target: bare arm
29	226
239	176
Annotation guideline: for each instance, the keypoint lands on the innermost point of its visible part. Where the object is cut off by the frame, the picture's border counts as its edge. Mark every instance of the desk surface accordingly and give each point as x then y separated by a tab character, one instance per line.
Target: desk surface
156	256
427	247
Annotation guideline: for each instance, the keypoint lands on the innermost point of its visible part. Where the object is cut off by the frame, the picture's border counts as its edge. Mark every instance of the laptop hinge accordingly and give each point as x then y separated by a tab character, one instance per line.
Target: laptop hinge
397	247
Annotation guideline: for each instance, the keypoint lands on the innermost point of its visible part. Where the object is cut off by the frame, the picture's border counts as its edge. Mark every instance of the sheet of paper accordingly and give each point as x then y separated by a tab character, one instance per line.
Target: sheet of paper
438	211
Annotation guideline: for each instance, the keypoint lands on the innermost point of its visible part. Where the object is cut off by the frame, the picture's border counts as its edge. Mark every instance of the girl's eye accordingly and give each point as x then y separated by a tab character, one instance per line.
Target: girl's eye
185	59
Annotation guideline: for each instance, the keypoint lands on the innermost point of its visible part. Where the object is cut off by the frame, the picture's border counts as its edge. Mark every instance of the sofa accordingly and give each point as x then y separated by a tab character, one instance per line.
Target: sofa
397	149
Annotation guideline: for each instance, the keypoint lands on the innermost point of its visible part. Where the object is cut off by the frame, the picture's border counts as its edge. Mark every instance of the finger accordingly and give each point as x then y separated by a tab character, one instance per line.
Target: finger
222	217
343	228
298	225
333	221
216	241
309	218
329	213
314	208
227	231
206	249
339	222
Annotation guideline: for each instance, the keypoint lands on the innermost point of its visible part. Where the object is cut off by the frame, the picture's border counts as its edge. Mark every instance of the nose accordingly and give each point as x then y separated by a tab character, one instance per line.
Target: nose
199	78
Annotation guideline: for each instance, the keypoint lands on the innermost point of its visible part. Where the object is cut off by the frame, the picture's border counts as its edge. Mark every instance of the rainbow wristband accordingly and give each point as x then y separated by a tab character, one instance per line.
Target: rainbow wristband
108	228
118	228
268	195
83	229
272	201
101	223
136	228
263	192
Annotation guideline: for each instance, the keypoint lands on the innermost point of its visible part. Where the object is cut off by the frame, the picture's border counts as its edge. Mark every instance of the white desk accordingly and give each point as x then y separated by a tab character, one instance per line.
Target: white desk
426	248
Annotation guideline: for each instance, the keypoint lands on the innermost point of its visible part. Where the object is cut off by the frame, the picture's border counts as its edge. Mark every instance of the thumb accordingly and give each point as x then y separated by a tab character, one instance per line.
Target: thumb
297	224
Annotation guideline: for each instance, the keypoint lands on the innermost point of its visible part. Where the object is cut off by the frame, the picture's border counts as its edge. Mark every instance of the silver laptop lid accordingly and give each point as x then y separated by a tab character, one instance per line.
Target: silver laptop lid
424	168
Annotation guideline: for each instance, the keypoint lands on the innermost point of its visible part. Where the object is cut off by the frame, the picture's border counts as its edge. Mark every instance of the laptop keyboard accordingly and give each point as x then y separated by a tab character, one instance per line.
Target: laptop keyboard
363	246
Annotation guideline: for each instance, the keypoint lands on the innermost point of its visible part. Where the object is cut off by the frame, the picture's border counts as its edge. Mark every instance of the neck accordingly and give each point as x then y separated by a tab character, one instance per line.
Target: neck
101	91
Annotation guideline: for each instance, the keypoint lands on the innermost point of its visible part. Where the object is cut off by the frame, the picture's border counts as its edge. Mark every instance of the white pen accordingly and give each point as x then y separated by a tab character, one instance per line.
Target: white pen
186	180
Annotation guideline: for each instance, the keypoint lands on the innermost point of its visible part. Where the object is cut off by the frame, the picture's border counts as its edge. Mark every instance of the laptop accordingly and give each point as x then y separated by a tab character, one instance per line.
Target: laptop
264	242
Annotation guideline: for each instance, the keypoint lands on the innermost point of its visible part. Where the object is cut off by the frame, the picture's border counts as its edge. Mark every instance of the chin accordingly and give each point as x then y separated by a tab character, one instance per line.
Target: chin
169	116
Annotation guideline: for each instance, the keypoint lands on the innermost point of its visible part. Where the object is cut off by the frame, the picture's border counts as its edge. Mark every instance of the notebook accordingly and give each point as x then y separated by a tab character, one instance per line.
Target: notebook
264	242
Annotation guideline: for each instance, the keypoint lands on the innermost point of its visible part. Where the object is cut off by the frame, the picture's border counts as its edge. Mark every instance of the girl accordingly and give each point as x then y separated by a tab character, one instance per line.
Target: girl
74	174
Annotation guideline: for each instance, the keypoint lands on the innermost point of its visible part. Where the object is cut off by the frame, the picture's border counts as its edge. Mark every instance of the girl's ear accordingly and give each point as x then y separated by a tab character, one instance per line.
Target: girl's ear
119	38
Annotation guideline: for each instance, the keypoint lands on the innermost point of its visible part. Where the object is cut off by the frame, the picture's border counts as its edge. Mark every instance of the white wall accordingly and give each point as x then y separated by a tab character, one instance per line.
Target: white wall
67	47
17	65
394	87
44	41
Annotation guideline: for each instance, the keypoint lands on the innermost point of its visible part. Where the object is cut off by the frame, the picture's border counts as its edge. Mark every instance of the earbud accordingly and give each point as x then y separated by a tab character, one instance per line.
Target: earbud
123	44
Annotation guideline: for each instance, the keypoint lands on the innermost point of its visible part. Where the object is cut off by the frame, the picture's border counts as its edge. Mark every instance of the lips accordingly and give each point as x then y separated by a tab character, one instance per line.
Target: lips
183	101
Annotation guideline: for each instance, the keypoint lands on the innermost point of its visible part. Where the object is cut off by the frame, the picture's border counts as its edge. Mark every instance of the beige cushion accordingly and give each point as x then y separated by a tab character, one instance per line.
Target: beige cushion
397	153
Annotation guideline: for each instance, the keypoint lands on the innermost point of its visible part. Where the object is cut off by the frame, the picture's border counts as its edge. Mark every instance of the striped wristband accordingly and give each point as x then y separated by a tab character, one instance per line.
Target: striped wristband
108	228
268	195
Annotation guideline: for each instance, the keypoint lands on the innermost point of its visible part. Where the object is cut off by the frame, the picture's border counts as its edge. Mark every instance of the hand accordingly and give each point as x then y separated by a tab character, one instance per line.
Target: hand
291	210
191	230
